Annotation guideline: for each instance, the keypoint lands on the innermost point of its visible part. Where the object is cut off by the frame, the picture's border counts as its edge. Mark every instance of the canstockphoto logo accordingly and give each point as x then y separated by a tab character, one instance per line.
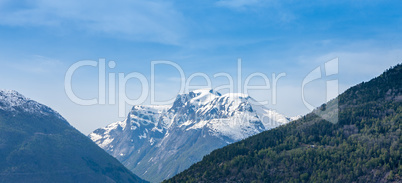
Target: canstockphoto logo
327	111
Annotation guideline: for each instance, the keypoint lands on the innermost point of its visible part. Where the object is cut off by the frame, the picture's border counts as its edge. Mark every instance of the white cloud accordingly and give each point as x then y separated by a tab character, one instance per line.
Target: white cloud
36	64
236	4
276	12
136	19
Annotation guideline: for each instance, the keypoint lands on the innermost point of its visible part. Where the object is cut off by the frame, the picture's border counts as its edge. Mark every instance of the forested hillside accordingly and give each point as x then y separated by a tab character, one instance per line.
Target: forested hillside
38	145
364	146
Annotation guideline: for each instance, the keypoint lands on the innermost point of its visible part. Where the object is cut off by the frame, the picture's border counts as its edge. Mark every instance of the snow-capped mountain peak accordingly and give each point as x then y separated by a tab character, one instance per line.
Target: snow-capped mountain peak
203	96
13	101
12	98
154	137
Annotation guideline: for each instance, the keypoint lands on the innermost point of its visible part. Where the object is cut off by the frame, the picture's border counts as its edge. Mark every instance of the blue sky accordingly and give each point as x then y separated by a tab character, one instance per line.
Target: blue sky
41	39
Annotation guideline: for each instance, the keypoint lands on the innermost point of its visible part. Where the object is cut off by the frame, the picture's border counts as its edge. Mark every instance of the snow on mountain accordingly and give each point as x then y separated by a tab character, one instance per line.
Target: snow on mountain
203	96
38	145
11	100
157	142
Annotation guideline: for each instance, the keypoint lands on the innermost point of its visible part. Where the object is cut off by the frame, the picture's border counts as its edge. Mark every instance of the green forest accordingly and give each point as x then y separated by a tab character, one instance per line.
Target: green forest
364	146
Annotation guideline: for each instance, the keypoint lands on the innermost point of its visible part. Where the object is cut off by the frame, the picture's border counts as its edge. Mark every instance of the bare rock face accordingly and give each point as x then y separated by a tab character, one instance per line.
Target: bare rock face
157	142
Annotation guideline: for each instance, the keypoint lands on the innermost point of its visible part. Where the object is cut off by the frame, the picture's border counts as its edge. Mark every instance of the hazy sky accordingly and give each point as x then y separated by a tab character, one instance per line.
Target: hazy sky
41	39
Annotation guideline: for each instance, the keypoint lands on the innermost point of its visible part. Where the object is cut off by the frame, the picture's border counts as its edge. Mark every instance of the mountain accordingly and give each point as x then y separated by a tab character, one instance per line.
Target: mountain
157	142
38	145
364	146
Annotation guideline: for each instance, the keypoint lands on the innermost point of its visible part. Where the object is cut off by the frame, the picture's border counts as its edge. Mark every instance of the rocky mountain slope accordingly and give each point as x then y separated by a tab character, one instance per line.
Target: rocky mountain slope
157	142
38	145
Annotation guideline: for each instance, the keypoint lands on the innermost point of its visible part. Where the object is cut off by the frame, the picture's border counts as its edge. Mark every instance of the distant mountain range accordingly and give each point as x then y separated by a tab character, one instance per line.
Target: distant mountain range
230	138
39	145
157	142
364	146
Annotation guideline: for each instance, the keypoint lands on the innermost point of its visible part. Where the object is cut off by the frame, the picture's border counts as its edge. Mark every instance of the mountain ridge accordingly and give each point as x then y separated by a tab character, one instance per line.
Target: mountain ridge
364	146
38	145
178	135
